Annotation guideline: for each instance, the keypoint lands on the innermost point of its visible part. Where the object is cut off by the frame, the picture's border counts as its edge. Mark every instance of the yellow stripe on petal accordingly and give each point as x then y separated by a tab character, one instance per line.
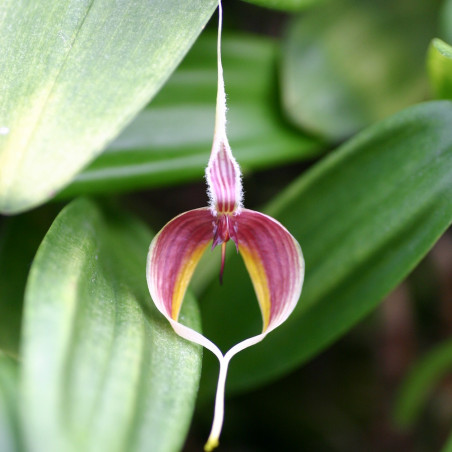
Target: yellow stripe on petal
258	277
275	263
184	277
173	256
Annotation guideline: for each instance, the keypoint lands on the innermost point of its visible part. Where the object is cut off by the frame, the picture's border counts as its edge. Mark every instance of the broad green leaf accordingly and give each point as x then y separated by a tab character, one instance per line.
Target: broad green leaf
420	382
74	73
20	237
349	63
10	438
285	5
439	63
101	369
170	141
364	217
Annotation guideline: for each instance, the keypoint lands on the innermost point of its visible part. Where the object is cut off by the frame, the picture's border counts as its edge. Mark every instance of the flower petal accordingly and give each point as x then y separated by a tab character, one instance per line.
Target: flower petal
275	263
173	256
223	178
273	259
223	172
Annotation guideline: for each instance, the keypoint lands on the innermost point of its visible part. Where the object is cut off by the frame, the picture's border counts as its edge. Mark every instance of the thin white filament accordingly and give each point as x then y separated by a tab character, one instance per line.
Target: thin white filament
218	416
220	116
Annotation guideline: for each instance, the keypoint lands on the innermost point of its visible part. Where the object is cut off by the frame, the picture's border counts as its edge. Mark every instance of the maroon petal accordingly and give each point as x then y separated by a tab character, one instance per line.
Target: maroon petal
275	263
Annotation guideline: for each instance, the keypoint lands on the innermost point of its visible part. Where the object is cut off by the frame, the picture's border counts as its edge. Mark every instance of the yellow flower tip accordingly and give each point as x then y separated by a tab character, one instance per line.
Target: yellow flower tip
212	443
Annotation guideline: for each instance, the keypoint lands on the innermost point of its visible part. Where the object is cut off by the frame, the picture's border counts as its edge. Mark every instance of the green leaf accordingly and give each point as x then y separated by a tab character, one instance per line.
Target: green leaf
102	370
10	438
20	237
420	382
448	445
76	72
349	63
364	217
445	21
439	62
285	5
170	141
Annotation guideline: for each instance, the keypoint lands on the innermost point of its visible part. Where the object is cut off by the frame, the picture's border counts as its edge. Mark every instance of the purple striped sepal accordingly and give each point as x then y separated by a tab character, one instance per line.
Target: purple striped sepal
223	178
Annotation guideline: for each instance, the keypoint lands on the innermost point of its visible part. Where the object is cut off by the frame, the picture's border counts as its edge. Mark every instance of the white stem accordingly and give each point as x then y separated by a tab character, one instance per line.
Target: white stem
220	119
218	416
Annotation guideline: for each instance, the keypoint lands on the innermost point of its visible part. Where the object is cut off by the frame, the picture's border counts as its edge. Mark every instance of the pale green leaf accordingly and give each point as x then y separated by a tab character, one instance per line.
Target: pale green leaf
102	370
10	436
74	73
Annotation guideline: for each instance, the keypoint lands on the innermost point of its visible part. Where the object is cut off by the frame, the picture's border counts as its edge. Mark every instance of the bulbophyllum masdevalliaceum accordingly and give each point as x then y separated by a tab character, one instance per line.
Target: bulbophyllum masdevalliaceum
271	254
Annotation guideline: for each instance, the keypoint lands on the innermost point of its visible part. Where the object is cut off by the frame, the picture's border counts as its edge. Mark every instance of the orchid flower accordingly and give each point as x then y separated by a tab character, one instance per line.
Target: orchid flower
272	256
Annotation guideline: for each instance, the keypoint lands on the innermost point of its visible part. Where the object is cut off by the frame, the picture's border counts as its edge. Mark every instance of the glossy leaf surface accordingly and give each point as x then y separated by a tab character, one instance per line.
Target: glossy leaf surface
170	141
101	369
74	74
440	69
349	63
364	217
